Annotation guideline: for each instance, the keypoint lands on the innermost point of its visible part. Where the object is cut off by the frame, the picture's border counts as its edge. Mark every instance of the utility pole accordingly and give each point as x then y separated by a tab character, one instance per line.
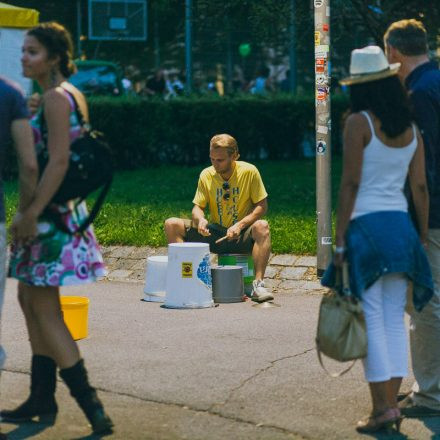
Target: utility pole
292	54
323	134
188	45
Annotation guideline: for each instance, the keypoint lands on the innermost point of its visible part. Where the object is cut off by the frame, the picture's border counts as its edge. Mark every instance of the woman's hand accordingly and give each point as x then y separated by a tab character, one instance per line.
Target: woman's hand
24	227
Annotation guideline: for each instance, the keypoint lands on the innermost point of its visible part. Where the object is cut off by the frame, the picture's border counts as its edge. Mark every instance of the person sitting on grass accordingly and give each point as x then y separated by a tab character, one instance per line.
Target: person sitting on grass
237	200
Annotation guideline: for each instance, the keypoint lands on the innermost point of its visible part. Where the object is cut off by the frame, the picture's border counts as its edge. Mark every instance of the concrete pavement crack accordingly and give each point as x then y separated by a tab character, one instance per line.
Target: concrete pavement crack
258	373
209	411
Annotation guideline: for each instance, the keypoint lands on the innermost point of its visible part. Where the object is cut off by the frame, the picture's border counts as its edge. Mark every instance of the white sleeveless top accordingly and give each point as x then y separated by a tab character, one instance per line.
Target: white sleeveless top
384	171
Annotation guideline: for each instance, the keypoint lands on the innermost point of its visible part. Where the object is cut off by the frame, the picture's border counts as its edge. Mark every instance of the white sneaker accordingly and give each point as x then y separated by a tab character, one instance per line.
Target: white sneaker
259	292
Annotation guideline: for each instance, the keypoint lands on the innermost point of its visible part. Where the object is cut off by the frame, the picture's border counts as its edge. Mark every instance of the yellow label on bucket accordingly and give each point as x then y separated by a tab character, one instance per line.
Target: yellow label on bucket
187	269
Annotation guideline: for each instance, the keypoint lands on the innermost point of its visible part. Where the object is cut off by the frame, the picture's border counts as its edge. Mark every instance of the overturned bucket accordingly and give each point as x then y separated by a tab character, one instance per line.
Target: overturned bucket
246	262
189	284
227	284
156	278
75	312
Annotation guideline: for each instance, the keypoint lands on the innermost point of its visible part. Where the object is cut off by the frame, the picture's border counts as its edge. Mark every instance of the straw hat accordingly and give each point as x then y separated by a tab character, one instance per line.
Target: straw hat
369	64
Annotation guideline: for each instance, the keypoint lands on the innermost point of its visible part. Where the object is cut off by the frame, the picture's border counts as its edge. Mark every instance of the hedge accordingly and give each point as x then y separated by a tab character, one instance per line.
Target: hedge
145	132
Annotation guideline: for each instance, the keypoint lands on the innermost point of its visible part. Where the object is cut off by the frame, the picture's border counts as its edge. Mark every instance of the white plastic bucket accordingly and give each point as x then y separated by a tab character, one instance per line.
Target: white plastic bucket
189	283
156	278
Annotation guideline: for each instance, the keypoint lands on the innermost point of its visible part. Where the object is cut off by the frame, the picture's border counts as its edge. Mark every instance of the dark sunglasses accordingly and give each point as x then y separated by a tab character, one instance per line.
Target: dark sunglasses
227	194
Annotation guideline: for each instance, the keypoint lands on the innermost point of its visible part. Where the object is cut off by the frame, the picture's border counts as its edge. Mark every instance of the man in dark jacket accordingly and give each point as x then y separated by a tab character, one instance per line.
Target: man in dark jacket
406	42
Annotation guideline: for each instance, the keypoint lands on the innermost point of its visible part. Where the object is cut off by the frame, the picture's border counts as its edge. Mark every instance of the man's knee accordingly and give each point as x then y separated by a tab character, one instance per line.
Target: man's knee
260	230
174	228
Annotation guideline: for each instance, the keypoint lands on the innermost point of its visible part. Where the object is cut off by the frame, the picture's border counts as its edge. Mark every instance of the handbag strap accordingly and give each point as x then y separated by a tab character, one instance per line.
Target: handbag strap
341	373
78	112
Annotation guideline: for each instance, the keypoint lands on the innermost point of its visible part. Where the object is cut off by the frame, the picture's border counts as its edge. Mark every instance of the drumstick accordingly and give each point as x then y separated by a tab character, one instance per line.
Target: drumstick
221	239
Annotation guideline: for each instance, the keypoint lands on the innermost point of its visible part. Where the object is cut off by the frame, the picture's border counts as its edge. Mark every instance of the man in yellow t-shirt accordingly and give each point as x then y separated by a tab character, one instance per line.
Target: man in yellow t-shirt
237	200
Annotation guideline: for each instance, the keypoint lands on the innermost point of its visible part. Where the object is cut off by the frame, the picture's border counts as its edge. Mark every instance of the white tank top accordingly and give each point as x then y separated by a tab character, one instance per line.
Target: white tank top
384	171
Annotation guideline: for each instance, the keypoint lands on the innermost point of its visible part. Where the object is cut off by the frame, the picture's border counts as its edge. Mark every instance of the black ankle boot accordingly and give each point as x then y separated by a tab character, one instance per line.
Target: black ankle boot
76	379
41	402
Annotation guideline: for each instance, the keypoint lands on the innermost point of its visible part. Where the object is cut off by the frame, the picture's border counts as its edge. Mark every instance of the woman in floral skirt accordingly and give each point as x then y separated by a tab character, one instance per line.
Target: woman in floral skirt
57	256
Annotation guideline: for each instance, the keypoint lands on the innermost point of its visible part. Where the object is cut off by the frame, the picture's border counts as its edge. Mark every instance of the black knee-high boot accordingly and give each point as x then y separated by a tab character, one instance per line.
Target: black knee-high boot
41	402
76	379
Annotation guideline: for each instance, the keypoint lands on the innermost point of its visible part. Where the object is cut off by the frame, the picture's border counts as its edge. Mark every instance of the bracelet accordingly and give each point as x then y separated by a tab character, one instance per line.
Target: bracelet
339	249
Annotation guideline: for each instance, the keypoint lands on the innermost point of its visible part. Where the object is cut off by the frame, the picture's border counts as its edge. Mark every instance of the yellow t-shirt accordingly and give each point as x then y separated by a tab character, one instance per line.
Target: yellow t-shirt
245	187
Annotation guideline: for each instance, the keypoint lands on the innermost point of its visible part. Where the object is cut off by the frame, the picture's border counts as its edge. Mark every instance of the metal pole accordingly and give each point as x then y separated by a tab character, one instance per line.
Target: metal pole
323	134
78	28
292	54
229	60
156	40
188	43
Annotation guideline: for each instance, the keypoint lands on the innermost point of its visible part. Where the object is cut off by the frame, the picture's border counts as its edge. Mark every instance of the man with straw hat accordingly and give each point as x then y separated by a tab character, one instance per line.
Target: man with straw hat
237	200
406	42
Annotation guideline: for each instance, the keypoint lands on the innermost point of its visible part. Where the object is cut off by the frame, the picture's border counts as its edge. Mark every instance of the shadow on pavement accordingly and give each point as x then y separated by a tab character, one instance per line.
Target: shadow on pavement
26	430
434	425
383	435
92	436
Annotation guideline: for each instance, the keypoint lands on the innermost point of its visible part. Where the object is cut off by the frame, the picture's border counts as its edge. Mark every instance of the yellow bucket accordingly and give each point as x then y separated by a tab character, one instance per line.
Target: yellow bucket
75	311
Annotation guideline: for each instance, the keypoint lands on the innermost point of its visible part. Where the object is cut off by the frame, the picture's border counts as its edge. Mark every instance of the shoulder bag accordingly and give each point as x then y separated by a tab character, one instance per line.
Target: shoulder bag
341	333
90	168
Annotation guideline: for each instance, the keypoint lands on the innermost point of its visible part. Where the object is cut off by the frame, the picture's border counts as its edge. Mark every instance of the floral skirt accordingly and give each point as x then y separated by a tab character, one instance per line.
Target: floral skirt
56	258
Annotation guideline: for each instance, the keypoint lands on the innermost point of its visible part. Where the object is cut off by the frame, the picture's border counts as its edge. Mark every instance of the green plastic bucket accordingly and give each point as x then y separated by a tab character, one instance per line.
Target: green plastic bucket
247	264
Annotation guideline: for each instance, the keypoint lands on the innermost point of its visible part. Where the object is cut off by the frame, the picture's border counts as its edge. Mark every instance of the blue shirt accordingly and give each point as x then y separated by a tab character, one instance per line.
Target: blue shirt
380	243
423	84
12	107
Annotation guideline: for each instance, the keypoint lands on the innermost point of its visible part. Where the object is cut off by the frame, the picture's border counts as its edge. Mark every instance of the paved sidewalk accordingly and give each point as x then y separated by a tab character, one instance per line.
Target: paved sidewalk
284	273
232	372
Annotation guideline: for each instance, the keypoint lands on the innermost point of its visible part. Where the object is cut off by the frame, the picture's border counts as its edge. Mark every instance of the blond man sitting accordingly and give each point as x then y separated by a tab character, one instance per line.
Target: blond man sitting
237	200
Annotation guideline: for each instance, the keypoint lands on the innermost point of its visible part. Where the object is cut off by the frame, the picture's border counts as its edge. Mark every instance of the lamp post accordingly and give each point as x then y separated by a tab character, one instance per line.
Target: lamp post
323	134
188	44
292	54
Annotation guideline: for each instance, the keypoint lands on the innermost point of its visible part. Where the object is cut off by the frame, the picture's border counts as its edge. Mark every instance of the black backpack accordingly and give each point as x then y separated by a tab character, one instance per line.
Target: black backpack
90	167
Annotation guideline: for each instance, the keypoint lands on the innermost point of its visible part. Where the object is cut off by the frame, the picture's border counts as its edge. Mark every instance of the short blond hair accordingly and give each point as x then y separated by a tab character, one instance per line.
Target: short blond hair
408	37
224	141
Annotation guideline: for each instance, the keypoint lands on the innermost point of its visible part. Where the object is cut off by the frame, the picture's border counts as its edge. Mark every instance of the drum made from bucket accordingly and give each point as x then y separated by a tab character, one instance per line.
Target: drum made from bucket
227	284
189	283
75	312
156	278
245	262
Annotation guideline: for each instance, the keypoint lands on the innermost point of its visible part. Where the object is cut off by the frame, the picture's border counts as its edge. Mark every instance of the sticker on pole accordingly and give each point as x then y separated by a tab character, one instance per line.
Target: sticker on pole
320	64
326	240
317	38
321	79
321	93
318	3
321	147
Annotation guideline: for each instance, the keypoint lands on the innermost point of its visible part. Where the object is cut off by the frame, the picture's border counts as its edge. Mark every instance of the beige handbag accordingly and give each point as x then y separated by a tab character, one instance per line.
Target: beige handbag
341	331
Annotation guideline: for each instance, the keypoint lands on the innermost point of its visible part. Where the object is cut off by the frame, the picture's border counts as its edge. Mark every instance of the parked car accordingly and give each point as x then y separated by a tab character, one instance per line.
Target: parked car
95	77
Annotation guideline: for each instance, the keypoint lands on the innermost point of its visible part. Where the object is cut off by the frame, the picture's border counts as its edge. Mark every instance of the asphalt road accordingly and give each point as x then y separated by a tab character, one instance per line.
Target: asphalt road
231	372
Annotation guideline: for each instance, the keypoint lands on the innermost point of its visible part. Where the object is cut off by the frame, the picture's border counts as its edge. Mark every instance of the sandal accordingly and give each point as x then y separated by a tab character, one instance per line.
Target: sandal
384	420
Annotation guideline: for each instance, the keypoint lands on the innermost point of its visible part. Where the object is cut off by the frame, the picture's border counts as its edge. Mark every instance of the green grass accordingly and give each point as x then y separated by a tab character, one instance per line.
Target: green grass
141	200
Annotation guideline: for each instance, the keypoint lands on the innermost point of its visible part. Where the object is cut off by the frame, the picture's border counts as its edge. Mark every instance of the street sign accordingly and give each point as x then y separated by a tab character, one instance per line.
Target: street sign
124	20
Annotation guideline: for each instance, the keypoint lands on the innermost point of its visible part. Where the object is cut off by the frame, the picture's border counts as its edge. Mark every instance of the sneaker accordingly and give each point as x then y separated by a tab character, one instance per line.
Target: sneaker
259	292
409	409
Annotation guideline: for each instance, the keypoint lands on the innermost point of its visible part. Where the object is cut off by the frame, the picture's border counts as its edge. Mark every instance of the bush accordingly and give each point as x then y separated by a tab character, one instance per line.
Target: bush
148	132
145	132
